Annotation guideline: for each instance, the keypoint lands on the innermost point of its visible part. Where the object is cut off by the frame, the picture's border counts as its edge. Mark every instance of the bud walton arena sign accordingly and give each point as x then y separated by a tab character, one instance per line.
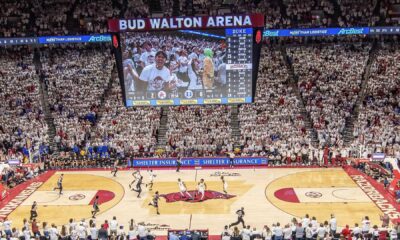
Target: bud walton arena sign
193	22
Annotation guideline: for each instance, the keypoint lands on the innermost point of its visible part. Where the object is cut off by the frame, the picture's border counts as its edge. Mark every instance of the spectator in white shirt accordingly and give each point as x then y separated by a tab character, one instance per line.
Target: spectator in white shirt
356	231
246	233
7	227
309	232
366	225
278	232
53	232
287	232
333	225
321	232
94	232
113	226
306	220
142	231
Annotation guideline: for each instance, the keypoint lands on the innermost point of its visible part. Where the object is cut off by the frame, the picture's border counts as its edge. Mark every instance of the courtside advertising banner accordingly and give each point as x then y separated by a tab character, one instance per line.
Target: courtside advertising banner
194	162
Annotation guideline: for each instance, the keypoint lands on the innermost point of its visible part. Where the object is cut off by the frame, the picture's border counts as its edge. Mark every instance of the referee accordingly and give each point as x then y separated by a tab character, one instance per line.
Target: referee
240	214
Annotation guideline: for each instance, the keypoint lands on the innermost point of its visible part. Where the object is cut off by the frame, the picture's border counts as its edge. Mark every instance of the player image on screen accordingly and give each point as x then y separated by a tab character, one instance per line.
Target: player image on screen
193	62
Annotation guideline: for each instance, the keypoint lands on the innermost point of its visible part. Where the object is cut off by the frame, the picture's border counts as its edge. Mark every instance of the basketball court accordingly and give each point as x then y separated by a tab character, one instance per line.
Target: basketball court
267	195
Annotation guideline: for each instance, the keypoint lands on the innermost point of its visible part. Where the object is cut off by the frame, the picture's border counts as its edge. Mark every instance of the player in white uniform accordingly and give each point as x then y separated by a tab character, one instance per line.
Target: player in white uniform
183	189
224	185
136	174
201	188
151	180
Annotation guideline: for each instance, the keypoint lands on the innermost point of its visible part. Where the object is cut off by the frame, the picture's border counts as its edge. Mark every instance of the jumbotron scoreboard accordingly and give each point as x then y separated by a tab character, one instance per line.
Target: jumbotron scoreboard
188	60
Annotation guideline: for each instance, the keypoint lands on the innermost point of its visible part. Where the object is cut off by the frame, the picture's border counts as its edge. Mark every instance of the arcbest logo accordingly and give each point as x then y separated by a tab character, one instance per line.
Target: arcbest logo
271	33
100	38
345	31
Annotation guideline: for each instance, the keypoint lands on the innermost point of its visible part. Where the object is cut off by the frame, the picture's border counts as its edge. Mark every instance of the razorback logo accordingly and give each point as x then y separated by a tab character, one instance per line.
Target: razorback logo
208	195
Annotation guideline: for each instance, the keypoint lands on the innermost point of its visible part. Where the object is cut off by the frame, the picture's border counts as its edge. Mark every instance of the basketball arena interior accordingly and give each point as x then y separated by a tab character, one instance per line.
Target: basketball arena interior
199	119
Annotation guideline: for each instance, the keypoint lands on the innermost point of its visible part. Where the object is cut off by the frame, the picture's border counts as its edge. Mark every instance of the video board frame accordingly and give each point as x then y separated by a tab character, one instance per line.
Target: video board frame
251	24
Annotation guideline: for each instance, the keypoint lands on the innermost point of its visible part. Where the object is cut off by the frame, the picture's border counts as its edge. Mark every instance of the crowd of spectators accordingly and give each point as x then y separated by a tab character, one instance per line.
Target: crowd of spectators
55	19
308	227
27	18
76	229
94	14
355	13
199	130
329	79
75	88
310	13
274	124
127	129
139	9
377	128
22	123
15	18
311	228
11	176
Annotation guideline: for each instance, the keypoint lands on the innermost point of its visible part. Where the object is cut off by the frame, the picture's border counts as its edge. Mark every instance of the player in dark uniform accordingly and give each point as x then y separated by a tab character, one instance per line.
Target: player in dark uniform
178	163
139	186
115	170
240	214
231	156
59	184
156	197
96	208
33	211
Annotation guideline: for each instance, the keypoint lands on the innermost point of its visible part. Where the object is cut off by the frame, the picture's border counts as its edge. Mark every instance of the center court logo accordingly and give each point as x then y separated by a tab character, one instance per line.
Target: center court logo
313	194
77	197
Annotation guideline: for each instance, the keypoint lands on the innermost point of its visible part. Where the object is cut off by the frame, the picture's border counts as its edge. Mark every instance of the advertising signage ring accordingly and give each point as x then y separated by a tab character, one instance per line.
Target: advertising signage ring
192	22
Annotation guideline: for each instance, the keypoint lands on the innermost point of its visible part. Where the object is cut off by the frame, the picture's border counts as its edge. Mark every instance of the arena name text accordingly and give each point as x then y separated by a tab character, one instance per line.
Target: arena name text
376	197
193	22
20	198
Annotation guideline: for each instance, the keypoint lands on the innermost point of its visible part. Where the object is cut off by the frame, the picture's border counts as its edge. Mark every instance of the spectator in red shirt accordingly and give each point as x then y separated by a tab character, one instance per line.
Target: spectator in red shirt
346	232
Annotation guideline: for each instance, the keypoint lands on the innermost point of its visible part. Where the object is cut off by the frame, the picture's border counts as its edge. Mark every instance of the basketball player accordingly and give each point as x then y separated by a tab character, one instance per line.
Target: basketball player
33	211
240	214
224	185
136	174
231	156
178	164
96	208
156	197
115	170
139	186
201	188
151	180
59	184
182	189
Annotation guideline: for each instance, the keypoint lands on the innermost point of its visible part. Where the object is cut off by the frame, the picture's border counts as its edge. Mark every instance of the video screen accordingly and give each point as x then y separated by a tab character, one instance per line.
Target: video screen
188	67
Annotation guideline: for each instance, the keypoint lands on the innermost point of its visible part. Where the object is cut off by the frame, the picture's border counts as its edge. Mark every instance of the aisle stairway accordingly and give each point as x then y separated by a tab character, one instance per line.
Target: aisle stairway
306	115
45	103
162	131
235	124
349	127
